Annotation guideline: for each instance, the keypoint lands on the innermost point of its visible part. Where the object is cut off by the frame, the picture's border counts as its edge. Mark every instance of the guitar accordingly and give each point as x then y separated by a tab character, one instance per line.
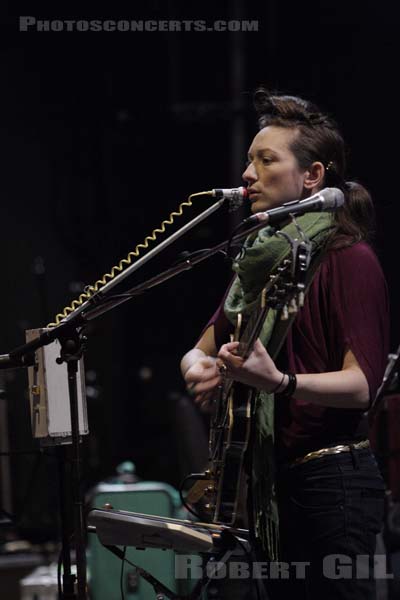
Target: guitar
225	478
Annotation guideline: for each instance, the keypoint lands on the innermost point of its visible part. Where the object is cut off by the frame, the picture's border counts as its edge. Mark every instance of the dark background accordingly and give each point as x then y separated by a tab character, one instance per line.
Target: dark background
104	134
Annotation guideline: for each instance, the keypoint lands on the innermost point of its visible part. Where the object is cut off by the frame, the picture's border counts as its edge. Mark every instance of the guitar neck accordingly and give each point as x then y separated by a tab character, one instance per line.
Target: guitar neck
279	290
252	330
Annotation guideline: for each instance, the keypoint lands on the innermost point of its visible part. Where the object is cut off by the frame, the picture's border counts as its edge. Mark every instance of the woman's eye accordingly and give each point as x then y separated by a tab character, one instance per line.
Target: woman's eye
266	161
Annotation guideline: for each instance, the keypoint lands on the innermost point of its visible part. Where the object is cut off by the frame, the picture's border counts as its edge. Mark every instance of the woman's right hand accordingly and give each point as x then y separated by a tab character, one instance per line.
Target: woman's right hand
202	378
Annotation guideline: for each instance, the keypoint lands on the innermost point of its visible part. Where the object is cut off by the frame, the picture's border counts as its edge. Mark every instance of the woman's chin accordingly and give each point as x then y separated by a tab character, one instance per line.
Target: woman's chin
259	206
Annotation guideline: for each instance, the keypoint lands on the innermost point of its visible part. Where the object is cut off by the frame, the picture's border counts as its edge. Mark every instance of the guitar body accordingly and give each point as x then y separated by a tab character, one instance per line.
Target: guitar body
229	440
230	470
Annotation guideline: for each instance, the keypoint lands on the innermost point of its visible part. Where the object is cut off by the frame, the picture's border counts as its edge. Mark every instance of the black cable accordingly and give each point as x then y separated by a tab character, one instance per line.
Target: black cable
234	231
197	476
136	291
186	255
193	512
121	580
158	586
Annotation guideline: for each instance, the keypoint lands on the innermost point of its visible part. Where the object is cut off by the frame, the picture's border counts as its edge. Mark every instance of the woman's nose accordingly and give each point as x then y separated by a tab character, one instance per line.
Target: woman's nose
249	175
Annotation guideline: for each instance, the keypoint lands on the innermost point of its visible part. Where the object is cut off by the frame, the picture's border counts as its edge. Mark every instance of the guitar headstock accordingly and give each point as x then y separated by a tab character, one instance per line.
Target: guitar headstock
284	291
285	288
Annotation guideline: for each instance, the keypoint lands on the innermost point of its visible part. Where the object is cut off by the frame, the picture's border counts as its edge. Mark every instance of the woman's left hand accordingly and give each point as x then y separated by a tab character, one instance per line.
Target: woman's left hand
258	370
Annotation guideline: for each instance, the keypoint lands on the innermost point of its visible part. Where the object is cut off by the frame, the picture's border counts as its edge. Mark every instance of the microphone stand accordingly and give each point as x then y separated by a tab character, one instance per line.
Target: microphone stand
392	367
69	334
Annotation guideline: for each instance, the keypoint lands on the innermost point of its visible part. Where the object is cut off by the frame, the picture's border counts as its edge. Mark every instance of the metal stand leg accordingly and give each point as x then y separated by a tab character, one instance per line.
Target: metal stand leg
76	480
68	580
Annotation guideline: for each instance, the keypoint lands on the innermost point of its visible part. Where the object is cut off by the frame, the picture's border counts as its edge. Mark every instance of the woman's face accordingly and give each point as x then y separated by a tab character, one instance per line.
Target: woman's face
272	174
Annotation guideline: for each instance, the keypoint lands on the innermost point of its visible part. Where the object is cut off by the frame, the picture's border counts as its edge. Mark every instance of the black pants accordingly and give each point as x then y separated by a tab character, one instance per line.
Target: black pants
331	509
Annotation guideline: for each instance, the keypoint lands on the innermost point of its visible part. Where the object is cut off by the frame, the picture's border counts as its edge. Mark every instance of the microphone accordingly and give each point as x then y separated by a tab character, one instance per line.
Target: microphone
238	194
328	199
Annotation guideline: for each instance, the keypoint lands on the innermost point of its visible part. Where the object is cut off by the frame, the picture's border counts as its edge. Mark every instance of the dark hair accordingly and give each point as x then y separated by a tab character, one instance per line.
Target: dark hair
319	139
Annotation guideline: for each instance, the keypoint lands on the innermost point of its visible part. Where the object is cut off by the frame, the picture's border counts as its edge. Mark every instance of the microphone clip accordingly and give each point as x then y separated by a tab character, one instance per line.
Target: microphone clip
234	196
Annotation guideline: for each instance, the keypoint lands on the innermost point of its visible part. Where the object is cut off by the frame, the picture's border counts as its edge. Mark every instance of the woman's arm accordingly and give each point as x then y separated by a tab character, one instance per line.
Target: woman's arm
347	388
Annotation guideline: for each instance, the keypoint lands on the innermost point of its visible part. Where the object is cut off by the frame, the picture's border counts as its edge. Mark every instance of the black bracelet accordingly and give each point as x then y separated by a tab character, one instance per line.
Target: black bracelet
278	386
291	386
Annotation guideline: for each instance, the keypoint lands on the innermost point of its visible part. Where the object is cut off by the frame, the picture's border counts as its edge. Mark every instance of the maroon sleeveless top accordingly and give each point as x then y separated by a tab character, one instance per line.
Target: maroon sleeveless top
346	307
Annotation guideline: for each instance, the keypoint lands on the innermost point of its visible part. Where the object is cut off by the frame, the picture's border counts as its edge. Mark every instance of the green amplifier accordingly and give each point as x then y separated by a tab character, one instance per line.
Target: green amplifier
104	568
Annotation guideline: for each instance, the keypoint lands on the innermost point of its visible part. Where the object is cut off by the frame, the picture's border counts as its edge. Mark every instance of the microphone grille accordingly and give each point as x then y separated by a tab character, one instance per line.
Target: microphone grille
333	198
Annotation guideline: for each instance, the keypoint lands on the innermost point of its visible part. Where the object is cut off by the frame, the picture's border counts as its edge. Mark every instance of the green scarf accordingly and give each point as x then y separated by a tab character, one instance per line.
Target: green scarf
263	252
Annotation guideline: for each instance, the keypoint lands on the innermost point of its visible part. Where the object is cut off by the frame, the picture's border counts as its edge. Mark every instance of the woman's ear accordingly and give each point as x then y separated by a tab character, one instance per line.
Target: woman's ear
314	176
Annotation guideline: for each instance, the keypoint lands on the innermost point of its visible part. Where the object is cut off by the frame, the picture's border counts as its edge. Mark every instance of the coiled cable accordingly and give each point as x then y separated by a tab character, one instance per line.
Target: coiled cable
90	290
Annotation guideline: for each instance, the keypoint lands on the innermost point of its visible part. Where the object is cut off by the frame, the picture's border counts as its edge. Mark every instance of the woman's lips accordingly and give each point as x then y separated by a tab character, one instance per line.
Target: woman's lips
253	195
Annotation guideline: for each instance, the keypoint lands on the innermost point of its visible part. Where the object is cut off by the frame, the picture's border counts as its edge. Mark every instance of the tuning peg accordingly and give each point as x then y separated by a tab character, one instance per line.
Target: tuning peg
292	306
301	299
285	313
